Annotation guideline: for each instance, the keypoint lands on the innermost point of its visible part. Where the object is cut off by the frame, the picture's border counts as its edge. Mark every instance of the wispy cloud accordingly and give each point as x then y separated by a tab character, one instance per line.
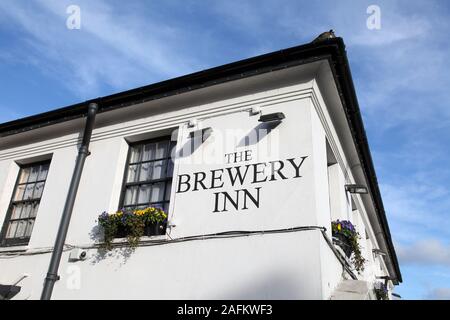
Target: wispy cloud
417	205
119	49
425	252
438	294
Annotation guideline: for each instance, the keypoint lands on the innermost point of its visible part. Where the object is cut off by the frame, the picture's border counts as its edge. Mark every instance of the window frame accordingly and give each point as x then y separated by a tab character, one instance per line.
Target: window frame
166	180
24	241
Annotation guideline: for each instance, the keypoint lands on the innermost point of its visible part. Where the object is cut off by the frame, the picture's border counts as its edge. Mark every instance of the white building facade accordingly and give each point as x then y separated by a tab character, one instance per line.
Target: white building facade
250	201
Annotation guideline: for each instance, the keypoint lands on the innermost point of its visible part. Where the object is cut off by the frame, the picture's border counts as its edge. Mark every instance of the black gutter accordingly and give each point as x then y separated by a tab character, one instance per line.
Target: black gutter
83	152
331	49
352	111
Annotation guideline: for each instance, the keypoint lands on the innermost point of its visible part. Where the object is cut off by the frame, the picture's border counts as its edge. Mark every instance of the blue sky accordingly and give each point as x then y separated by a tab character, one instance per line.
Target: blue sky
400	72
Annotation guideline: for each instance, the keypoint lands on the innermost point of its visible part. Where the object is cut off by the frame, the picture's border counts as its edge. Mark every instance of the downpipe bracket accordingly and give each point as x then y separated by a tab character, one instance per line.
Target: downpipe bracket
52	277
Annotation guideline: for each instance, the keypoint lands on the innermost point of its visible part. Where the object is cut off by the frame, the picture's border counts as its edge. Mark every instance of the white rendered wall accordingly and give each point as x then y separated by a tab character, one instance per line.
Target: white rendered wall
283	266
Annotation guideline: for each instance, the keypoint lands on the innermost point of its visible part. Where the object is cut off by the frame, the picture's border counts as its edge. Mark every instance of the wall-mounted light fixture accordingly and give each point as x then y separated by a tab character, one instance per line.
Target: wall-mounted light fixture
385	278
277	116
204	133
8	291
396	295
379	252
356	188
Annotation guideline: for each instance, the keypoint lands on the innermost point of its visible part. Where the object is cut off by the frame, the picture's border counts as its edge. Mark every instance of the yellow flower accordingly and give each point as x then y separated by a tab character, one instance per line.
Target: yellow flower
339	226
139	212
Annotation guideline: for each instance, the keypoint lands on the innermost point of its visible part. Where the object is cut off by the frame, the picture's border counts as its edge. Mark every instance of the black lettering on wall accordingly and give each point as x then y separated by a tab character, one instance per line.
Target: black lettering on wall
181	182
247	194
198	180
223	200
297	167
214	178
257	172
238	175
277	170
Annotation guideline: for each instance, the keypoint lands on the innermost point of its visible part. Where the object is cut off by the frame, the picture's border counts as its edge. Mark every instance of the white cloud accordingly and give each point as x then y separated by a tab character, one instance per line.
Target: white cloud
119	48
416	207
425	252
394	28
438	294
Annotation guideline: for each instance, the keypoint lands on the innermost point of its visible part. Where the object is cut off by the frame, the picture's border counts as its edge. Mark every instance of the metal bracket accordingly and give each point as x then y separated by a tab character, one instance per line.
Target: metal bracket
52	276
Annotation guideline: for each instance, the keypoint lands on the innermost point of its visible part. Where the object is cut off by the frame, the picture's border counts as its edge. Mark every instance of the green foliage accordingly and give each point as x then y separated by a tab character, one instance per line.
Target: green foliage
131	223
381	291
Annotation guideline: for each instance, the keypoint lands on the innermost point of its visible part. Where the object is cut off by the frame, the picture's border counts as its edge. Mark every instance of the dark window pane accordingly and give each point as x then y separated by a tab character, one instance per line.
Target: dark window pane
30	224
26	211
161	150
157	192
130	195
21	228
153	170
33	174
149	152
19	192
28	191
38	190
135	154
43	172
34	209
11	230
144	194
145	171
159	170
132	173
16	211
25	173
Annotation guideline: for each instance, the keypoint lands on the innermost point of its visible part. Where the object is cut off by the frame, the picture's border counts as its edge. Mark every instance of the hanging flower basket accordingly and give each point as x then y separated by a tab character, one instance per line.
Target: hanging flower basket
346	237
381	291
132	224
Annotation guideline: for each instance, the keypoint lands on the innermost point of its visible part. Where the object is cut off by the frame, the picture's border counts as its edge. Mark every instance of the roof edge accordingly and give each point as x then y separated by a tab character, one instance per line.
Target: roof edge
354	117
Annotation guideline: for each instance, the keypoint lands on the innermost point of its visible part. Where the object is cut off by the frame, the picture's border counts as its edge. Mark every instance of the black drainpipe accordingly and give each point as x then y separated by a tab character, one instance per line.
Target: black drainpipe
83	152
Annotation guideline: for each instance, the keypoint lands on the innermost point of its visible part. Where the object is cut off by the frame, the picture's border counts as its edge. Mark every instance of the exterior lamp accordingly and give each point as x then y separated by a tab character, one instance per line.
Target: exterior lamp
8	291
379	252
271	117
385	278
356	188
